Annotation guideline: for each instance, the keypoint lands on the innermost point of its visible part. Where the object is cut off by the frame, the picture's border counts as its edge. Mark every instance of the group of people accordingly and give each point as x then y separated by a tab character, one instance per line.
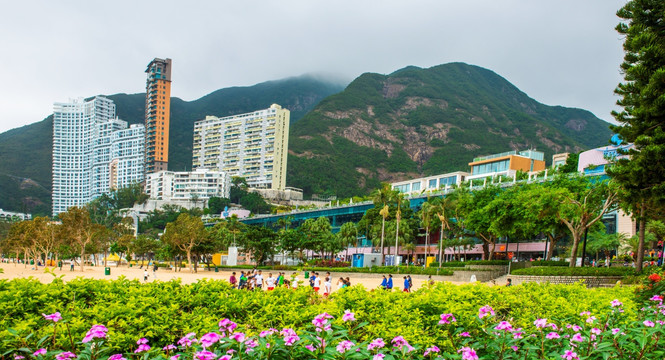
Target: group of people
254	280
387	283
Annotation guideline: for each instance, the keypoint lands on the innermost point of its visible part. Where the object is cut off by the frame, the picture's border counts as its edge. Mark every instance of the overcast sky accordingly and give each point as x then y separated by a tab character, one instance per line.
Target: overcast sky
559	52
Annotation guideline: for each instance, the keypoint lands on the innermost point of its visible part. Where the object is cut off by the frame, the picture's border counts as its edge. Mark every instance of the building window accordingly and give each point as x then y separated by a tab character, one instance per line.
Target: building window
415	186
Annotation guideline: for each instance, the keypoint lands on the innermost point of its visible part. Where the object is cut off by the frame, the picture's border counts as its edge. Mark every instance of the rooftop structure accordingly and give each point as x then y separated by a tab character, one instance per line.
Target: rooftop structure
430	183
201	184
506	164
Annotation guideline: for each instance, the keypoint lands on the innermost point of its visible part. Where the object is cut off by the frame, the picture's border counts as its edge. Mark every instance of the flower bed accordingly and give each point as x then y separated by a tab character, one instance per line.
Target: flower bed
585	336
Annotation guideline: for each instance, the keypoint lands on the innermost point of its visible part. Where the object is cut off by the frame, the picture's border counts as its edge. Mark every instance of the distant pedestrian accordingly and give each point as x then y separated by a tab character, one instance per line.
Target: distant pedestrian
509	282
270	282
294	281
408	277
145	275
233	280
406	284
389	286
154	271
384	283
258	280
71	266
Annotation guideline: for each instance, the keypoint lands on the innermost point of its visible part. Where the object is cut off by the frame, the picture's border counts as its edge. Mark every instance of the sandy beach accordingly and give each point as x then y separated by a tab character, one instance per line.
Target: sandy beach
11	271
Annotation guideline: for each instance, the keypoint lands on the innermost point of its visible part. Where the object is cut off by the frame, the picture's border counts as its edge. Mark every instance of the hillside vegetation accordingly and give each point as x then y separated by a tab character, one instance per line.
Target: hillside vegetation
416	122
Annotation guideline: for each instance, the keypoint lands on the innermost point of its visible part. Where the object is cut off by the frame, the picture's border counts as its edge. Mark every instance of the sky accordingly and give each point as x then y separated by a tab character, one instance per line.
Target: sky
559	52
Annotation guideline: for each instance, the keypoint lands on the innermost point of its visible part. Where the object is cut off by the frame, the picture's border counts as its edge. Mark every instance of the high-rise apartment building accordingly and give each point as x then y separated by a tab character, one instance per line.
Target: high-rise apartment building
157	115
252	145
93	152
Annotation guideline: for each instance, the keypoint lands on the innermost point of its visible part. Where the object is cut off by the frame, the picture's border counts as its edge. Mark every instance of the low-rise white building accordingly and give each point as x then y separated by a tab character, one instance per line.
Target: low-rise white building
430	183
13	216
201	184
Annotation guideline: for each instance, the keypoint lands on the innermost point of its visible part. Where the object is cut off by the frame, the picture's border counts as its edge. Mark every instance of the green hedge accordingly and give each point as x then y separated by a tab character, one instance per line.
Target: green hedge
549	263
413	270
576	271
163	312
487	262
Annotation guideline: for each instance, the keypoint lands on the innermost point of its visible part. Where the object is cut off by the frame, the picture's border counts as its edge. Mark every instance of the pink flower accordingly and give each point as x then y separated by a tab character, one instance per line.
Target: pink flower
210	338
268	332
310	347
43	352
376	344
348	316
429	350
204	355
468	353
447	319
596	331
142	348
378	357
141	341
485	311
577	337
590	319
344	346
238	336
65	355
464	334
174	357
615	331
226	325
658	298
504	325
187	340
585	313
18	357
96	331
290	339
287	332
225	357
517	334
116	357
576	328
648	323
569	355
540	323
616	303
552	335
169	347
515	348
55	317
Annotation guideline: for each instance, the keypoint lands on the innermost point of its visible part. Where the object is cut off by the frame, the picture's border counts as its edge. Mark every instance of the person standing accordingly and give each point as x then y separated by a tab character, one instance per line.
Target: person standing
389	286
270	282
408	277
258	280
316	283
154	271
294	281
233	280
312	278
384	283
280	279
328	286
145	275
406	285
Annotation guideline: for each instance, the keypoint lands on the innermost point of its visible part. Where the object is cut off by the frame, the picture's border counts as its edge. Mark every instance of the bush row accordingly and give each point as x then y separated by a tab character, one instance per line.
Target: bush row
165	311
549	263
576	271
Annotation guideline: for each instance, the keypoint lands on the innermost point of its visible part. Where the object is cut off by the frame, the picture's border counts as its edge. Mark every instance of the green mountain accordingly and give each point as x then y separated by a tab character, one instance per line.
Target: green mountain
25	152
418	122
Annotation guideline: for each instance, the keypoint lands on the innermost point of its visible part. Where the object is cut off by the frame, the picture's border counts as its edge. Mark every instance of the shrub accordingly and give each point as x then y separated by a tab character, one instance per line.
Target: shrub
549	263
487	262
331	263
576	271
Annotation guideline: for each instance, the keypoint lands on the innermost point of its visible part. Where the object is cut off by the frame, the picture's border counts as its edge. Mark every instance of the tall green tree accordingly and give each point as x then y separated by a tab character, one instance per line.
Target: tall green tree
348	235
641	122
184	234
79	227
260	242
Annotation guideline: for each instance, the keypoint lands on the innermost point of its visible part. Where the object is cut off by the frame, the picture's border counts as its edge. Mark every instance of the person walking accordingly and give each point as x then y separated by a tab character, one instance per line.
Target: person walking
145	275
294	281
384	283
154	271
406	285
389	285
242	283
233	280
408	277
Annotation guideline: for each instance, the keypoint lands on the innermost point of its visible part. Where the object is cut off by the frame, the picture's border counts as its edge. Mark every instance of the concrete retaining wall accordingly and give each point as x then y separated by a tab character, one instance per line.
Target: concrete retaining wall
590	281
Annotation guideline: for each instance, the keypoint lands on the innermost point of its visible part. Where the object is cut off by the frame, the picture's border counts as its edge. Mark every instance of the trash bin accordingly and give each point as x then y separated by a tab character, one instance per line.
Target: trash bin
130	264
216	269
107	271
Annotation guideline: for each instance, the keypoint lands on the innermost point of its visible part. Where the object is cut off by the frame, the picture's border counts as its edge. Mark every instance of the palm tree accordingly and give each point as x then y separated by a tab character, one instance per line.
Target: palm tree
382	197
426	222
398	216
441	207
348	234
